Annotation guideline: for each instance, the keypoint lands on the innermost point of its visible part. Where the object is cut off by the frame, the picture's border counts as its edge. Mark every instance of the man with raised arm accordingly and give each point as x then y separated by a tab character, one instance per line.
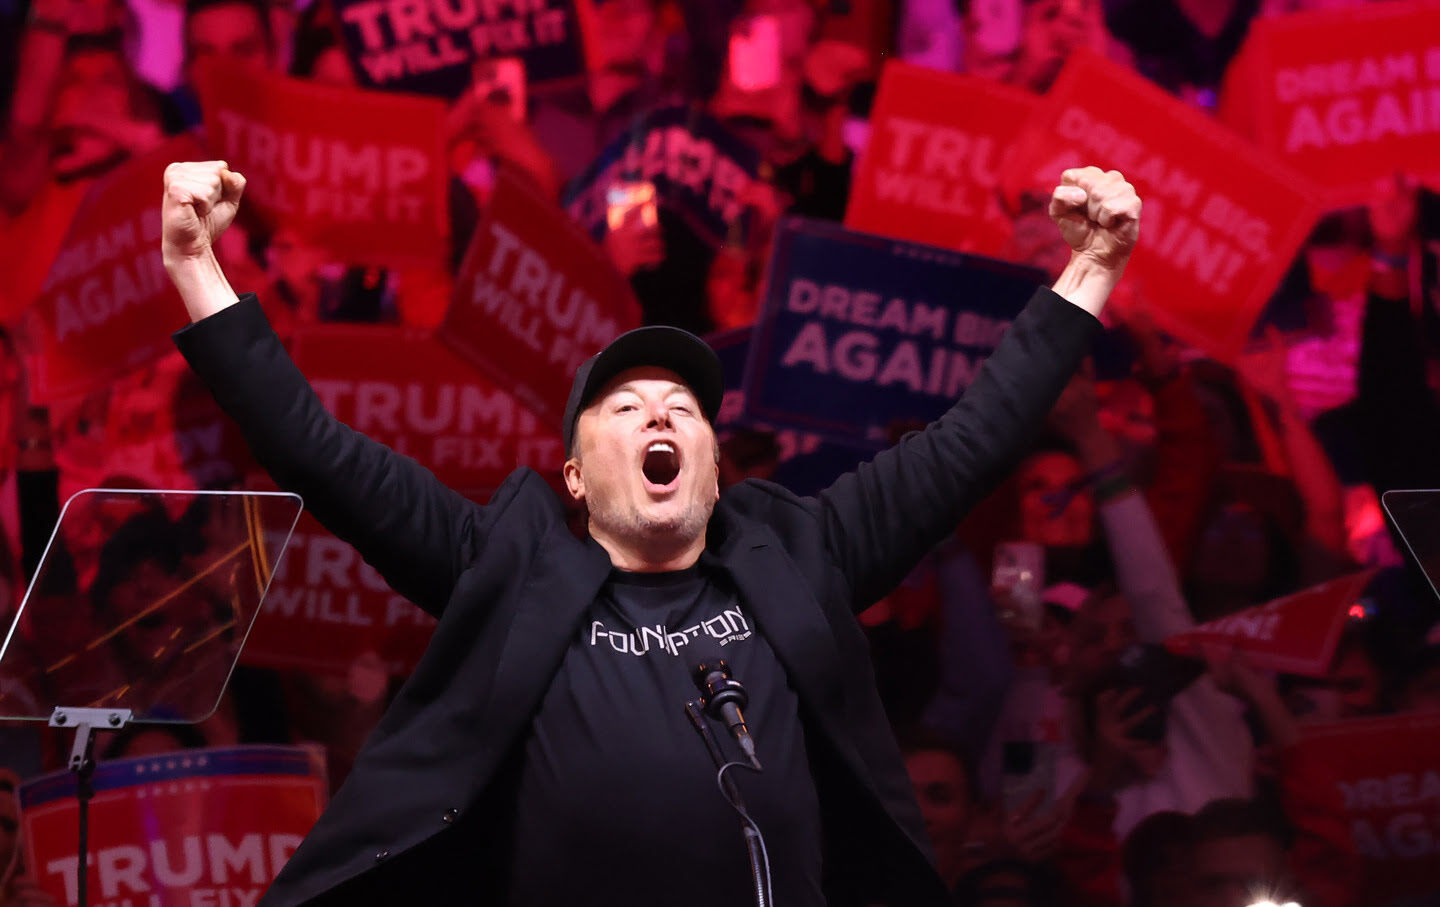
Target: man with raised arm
540	753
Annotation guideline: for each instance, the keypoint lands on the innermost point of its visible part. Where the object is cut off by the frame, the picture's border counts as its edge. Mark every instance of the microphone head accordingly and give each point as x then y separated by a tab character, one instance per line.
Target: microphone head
711	672
704	658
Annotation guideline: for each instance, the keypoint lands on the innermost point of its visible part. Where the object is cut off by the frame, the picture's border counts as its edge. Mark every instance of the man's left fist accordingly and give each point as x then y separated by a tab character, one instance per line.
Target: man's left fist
1098	214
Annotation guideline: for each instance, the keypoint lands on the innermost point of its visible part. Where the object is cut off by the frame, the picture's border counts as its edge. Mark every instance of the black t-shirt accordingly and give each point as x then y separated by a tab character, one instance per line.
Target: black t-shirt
617	800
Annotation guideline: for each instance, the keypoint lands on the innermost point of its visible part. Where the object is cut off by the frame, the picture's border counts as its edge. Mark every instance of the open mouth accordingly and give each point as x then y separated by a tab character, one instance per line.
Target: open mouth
661	464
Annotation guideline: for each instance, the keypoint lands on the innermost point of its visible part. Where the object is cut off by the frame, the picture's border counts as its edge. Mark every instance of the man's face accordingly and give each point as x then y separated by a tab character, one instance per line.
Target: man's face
1052	30
1350	690
944	798
1236	872
228	31
645	462
94	89
1233	551
1050	513
158	623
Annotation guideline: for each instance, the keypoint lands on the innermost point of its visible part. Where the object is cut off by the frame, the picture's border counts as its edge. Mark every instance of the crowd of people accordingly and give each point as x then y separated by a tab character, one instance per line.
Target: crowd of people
1059	753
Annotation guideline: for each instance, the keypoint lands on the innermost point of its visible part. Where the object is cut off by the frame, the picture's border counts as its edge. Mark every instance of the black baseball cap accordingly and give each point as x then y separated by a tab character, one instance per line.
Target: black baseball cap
665	347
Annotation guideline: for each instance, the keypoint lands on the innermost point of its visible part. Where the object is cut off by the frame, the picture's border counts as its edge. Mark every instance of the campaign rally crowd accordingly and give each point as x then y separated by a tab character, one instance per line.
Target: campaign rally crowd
1103	687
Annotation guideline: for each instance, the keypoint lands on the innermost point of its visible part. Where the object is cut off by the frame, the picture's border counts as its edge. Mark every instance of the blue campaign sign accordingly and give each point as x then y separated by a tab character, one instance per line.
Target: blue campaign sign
806	463
700	170
732	348
860	333
431	46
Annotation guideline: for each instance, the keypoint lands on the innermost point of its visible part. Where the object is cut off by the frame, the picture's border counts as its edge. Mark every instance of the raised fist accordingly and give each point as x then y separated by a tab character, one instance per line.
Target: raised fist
1098	214
201	198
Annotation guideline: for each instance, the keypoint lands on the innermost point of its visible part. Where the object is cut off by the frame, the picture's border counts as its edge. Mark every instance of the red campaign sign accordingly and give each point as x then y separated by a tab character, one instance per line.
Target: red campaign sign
1388	771
326	608
1348	97
164	428
406	390
535	298
194	828
315	162
1296	634
107	306
1222	220
931	170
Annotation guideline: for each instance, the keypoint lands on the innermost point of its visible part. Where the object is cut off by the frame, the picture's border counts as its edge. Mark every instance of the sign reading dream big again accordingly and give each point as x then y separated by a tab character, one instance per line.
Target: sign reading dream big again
859	332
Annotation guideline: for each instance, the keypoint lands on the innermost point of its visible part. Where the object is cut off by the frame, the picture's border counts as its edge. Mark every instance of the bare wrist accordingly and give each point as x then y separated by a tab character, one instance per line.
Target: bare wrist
201	283
1087	283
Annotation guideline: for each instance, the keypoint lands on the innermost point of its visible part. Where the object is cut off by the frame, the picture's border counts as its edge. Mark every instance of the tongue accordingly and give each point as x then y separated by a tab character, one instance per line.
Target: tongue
661	467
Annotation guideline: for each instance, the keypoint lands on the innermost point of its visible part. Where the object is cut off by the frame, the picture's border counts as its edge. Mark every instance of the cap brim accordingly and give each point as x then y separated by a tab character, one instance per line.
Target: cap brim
657	346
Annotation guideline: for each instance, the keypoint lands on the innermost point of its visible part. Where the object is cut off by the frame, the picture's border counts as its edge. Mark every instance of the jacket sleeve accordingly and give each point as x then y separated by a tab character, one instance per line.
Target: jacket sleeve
879	520
415	531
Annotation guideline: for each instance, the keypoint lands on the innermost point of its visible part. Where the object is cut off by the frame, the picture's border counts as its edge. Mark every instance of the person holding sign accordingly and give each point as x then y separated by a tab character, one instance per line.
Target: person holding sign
540	752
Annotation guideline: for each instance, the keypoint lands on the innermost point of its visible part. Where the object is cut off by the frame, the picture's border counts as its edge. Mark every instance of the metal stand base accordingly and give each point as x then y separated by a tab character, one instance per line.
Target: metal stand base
82	763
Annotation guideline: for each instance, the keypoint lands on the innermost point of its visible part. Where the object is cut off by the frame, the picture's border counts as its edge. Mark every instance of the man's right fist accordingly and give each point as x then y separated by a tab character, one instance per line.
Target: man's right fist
201	198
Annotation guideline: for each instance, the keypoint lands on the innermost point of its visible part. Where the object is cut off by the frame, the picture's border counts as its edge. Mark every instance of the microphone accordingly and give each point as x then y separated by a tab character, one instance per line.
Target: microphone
723	697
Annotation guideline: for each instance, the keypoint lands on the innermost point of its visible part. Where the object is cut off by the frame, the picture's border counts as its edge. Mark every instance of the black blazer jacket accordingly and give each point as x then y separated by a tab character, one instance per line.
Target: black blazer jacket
422	819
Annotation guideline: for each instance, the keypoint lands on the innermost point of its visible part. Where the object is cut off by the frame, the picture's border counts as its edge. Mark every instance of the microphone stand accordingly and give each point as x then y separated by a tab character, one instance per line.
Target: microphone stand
732	793
82	762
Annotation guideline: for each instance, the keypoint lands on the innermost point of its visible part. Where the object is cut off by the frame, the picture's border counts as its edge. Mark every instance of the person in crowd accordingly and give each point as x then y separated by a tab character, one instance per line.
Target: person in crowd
645	466
1050	31
17	884
76	114
939	650
978	844
229	31
1420	689
1352	688
1203	751
1156	861
1317	854
1184	45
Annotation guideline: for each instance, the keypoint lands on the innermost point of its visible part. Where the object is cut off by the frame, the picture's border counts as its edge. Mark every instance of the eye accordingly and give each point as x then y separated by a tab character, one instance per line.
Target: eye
625	407
682	409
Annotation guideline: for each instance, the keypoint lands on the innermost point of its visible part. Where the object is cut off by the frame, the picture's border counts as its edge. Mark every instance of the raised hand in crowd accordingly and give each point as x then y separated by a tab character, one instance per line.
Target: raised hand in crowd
490	126
1076	418
1117	758
1233	673
1032	832
636	245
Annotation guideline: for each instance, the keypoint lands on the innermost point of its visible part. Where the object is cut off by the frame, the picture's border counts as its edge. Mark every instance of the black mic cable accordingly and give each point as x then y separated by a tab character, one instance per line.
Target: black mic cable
754	840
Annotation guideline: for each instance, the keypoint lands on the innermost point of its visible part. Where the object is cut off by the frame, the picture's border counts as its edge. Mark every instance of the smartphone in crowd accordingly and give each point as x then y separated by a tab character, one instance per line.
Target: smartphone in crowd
500	81
1018	579
1027	767
623	197
755	53
1160	675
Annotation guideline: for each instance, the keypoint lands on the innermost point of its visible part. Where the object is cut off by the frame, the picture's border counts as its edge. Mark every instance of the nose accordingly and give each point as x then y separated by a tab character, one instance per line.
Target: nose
659	415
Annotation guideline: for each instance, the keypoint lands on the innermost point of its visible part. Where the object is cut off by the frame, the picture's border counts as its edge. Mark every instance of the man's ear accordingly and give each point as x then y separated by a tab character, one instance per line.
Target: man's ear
574	482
